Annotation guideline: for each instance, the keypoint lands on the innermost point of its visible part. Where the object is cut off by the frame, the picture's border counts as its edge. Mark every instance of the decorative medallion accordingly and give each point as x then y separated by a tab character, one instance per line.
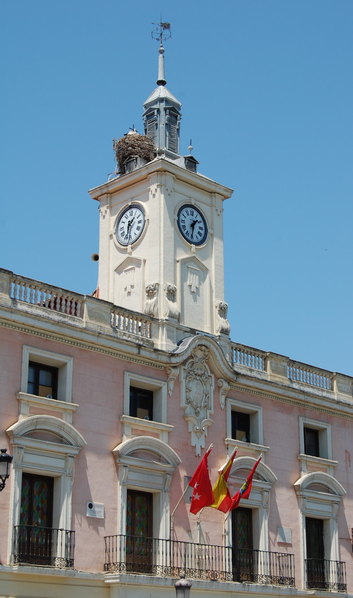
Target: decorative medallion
197	396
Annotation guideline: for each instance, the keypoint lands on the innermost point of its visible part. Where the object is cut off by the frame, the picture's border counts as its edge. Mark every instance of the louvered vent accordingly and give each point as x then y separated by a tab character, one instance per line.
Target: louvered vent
151	128
173	133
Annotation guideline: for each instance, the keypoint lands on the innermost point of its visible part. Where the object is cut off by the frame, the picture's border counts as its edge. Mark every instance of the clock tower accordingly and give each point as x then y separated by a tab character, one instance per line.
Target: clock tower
161	227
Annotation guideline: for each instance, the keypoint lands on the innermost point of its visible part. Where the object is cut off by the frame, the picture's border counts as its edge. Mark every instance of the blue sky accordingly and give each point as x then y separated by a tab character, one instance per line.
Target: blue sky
266	91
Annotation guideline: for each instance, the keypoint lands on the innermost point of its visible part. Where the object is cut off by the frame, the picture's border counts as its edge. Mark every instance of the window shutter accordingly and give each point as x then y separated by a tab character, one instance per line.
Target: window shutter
172	133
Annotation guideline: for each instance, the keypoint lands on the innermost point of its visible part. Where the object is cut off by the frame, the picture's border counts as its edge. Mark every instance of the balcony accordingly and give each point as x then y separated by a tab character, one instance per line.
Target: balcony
325	575
171	558
34	545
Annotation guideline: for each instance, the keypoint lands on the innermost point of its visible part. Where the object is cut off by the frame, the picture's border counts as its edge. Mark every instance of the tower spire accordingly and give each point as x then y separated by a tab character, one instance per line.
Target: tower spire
161	33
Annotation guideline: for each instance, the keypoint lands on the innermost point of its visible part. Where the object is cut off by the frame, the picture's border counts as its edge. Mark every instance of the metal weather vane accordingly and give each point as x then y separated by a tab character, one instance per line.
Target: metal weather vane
162	32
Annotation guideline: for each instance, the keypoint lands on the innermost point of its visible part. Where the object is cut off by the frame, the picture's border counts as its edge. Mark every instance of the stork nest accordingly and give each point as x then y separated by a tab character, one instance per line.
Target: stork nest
131	146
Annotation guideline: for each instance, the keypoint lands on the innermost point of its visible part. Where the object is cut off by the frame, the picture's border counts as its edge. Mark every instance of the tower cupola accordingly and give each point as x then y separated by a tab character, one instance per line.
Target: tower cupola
162	111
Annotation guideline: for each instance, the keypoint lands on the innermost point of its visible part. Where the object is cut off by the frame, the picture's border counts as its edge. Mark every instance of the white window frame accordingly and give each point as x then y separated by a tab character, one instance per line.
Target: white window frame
43	457
64	363
133	426
320	505
258	499
142	474
325	446
256	427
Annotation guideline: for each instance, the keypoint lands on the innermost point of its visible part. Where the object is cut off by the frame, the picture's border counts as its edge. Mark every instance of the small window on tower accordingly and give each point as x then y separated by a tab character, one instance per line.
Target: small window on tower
42	380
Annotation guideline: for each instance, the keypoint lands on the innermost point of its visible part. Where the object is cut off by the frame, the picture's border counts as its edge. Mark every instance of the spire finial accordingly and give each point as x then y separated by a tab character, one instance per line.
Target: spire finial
161	33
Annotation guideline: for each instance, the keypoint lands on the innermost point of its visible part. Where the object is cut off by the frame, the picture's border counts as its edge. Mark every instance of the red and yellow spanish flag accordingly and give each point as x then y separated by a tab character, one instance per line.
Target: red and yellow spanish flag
221	495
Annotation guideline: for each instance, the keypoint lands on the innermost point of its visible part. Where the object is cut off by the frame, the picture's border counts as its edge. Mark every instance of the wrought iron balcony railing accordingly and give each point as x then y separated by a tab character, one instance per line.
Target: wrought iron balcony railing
322	574
171	558
43	546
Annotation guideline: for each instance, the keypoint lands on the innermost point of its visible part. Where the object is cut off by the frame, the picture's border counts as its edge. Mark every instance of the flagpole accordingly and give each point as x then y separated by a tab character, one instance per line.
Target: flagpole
181	498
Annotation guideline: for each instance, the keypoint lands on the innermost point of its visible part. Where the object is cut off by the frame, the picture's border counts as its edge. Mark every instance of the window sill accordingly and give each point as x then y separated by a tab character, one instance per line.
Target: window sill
134	426
34	405
245	448
311	463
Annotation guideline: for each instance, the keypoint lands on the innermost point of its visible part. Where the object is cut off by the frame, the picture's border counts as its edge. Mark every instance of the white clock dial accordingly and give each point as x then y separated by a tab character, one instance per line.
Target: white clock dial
130	224
192	224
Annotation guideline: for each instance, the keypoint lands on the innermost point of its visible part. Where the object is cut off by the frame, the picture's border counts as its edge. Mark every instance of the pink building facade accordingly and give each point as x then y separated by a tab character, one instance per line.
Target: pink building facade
108	404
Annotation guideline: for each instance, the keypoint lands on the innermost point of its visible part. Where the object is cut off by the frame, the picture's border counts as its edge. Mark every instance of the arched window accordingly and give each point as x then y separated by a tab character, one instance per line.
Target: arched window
44	449
146	465
319	496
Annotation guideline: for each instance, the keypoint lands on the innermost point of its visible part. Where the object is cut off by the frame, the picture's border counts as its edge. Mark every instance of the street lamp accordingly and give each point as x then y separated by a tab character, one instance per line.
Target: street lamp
5	462
182	587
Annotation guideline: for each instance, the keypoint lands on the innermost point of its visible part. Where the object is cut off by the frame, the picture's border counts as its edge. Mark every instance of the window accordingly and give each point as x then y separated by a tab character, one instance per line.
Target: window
145	407
256	510
139	531
319	497
145	469
42	380
244	424
241	426
315	446
242	543
44	450
33	537
141	403
46	373
311	442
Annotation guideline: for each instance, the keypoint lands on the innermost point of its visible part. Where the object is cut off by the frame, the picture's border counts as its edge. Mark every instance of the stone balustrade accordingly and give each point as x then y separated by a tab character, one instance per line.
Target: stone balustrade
308	375
37	293
127	321
18	292
248	357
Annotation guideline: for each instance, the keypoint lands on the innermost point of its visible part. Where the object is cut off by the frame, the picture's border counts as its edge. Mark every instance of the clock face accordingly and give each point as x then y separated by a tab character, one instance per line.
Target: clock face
130	224
192	224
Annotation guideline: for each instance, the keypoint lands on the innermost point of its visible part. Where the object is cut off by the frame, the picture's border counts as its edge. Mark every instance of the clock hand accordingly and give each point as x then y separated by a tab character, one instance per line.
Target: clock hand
193	227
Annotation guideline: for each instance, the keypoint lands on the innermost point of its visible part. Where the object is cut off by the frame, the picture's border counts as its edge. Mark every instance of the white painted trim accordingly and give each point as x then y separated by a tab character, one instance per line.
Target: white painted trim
258	500
152	476
319	505
160	395
64	363
256	425
54	459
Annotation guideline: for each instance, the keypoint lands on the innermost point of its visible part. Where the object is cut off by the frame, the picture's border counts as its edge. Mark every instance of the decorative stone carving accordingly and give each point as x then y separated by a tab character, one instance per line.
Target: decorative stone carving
197	396
172	374
170	306
223	389
129	279
151	305
193	279
154	190
222	324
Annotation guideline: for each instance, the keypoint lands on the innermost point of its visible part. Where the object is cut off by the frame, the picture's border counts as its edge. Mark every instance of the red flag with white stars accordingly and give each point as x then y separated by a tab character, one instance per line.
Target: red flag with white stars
202	495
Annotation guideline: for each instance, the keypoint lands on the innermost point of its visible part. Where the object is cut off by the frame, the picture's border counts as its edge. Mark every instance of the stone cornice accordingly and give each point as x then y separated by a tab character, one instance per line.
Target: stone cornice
296	401
81	344
160	165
